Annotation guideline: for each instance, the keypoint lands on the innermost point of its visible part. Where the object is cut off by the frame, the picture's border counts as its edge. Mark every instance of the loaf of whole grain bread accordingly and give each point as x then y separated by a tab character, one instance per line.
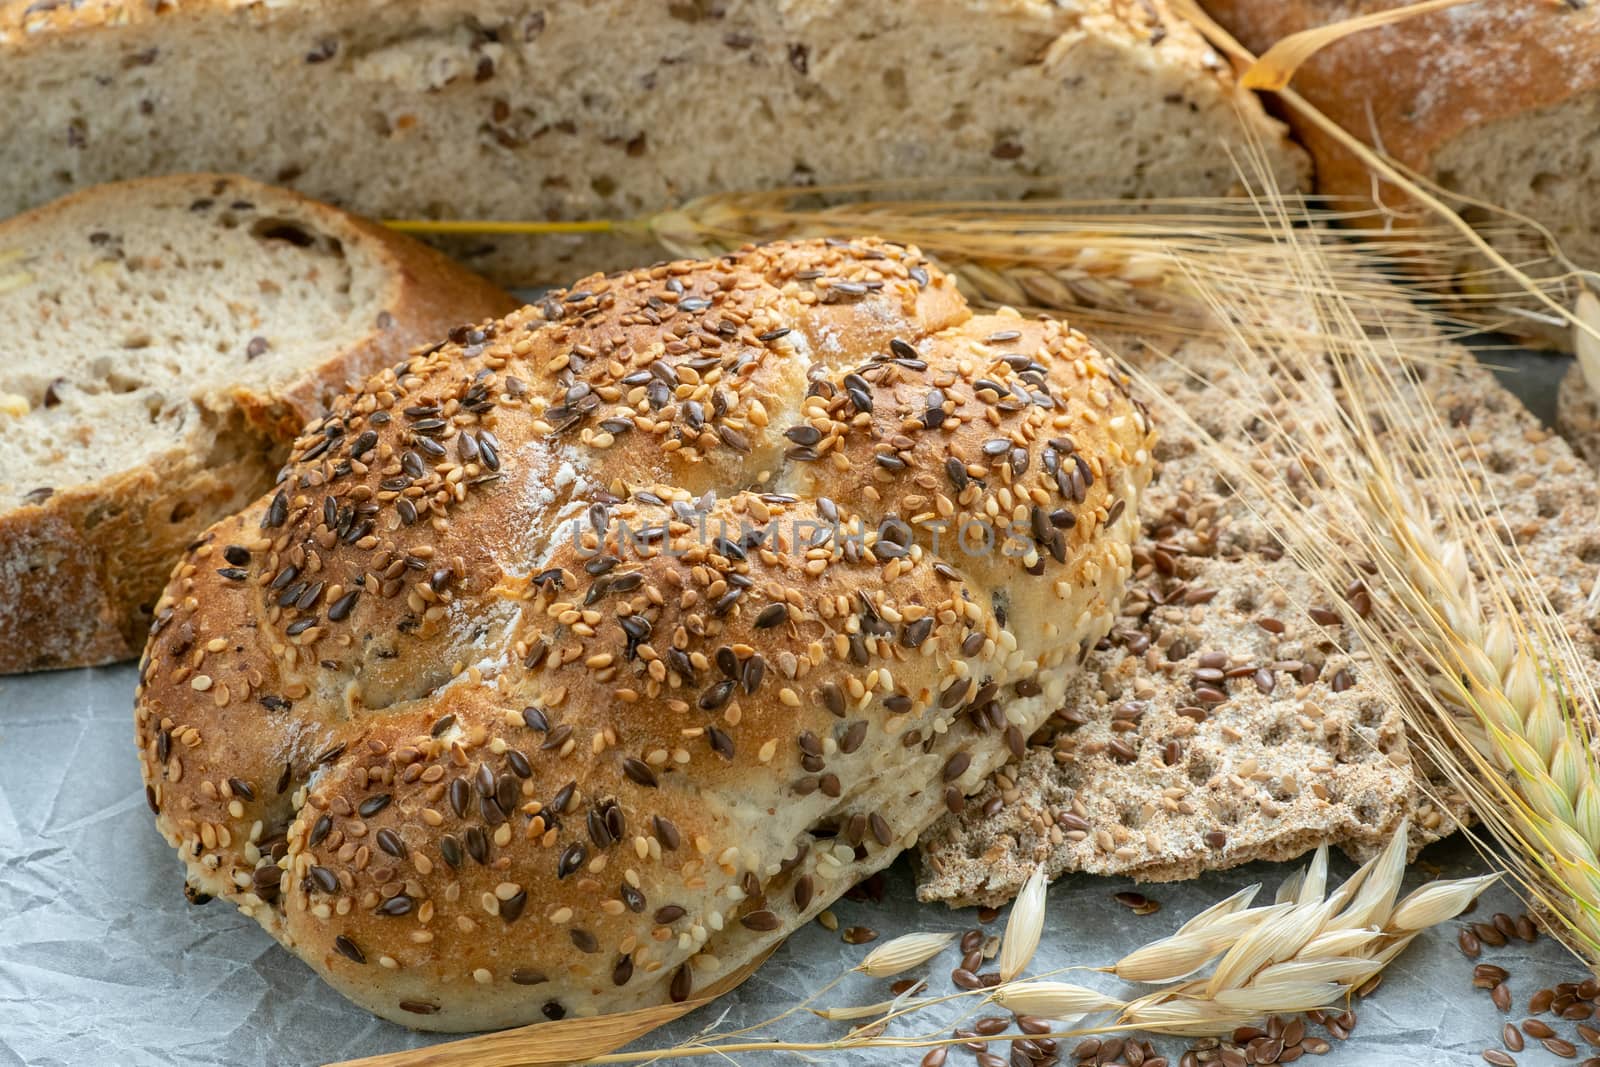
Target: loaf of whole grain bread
583	109
1497	101
161	342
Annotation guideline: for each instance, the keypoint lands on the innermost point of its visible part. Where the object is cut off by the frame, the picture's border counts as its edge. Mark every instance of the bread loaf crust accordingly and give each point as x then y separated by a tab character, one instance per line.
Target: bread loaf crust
82	566
1416	86
498	109
544	684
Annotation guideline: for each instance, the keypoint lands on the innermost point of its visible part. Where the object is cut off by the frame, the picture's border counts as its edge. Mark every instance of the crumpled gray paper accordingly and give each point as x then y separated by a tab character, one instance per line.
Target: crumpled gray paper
103	961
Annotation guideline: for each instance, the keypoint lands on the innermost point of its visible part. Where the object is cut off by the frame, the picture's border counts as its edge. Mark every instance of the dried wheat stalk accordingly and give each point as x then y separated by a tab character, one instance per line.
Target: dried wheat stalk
1491	686
1105	264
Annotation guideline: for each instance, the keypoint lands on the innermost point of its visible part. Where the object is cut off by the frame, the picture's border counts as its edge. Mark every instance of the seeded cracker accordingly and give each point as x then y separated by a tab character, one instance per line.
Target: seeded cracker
1301	751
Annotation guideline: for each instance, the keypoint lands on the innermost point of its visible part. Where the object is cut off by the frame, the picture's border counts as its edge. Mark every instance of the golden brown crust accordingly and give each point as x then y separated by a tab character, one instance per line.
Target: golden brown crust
81	570
1414	86
544	682
84	565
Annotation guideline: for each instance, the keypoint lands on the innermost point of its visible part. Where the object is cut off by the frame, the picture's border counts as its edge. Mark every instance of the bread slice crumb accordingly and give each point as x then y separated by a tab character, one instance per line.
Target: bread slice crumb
163	341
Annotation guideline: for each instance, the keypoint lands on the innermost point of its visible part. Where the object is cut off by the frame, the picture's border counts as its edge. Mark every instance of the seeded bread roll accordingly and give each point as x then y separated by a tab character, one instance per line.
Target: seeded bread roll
586	109
161	343
572	665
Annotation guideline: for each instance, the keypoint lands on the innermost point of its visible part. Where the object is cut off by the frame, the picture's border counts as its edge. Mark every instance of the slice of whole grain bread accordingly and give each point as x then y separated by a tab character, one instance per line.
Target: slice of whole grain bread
161	342
612	109
1157	768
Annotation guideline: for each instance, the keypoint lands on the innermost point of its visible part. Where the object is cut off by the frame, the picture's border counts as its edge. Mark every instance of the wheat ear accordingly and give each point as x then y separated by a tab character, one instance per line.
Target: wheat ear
1106	265
1491	686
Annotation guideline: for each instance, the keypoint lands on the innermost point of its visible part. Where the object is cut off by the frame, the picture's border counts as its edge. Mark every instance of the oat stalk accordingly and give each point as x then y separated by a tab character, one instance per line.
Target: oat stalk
1310	949
1309	952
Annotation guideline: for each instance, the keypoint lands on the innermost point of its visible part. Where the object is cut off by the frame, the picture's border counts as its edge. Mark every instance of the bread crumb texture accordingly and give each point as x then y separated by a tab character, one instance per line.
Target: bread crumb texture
575	109
163	341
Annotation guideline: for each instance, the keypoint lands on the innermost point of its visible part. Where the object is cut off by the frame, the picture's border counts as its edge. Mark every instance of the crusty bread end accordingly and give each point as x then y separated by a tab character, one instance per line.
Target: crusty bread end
161	341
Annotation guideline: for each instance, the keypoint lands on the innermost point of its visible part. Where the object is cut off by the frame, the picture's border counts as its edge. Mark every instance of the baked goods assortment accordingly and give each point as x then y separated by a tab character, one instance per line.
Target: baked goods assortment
572	663
577	109
518	664
163	341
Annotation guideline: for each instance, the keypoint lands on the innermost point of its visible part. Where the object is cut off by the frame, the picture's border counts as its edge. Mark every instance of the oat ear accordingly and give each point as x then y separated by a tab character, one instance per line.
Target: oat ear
1436	902
1230	905
1379	885
903	953
1024	926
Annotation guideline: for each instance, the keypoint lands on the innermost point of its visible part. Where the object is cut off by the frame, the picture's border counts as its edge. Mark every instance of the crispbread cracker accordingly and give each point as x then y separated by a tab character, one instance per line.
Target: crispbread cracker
1273	774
